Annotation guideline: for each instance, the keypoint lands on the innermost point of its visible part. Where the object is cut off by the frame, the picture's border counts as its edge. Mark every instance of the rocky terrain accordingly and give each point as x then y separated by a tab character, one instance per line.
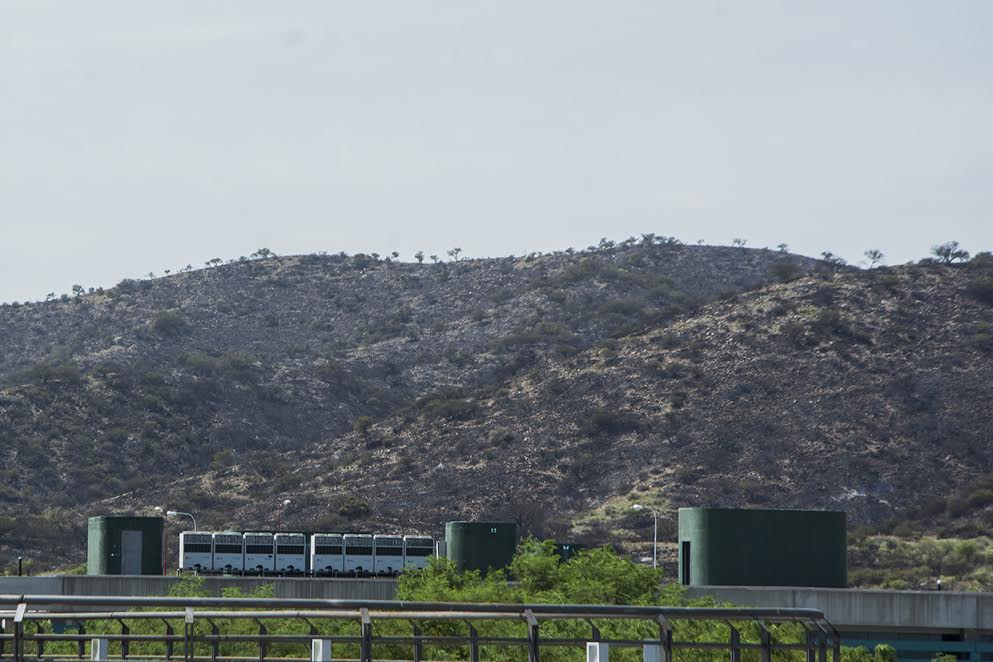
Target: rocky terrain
553	389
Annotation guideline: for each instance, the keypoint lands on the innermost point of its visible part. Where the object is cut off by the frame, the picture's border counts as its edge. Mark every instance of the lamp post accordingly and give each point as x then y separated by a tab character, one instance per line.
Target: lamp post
655	533
177	513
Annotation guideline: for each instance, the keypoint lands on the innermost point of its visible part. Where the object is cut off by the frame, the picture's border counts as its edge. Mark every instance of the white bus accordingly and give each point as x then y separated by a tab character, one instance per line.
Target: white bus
196	551
358	553
416	550
291	552
388	554
259	552
229	551
327	554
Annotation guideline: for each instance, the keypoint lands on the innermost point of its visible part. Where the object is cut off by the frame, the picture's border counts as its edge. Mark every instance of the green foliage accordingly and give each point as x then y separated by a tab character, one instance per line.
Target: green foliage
596	576
610	422
448	407
949	252
981	289
362	425
353	508
53	372
168	323
786	270
543	333
236	365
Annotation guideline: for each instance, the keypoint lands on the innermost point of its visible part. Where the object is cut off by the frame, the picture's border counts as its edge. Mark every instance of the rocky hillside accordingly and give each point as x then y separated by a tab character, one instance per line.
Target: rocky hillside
554	389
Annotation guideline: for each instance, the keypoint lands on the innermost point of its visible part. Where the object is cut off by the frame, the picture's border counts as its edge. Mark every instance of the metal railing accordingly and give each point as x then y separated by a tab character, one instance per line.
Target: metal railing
196	628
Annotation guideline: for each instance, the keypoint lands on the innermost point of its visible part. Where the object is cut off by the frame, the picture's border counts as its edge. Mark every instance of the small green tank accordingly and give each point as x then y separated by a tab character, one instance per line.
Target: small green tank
481	545
125	546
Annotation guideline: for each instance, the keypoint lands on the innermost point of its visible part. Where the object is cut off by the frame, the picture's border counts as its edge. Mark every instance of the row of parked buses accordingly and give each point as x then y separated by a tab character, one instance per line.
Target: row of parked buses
230	552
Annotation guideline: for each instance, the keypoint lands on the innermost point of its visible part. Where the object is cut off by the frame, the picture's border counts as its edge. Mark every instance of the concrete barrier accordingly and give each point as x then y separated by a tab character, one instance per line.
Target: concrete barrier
345	588
862	608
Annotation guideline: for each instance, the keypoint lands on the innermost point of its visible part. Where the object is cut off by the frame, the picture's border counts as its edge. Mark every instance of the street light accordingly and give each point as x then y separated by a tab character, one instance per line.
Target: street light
177	513
655	534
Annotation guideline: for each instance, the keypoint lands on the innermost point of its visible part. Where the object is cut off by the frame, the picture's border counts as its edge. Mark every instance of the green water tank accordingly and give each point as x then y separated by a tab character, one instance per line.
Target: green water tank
125	546
760	547
481	545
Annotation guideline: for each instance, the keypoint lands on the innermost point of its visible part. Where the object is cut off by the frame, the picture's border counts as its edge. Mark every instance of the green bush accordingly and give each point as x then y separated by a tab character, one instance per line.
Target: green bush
786	270
168	323
362	425
451	408
610	422
981	289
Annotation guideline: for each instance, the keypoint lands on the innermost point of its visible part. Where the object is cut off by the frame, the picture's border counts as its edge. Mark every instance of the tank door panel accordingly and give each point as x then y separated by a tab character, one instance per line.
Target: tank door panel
131	552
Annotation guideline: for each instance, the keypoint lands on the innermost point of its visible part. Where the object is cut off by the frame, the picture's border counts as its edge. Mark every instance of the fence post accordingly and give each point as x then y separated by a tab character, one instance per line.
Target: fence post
765	642
262	642
366	647
533	650
188	636
19	632
99	650
665	640
473	643
125	642
2	640
735	644
81	645
168	646
418	646
41	644
215	644
597	651
320	650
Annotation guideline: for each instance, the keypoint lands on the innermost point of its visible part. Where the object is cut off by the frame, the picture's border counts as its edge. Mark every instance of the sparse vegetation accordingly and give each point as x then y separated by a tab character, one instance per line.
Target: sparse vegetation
639	365
950	252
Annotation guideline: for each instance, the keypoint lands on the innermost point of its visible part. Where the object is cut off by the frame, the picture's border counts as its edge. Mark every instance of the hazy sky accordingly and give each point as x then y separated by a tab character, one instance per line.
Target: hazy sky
137	136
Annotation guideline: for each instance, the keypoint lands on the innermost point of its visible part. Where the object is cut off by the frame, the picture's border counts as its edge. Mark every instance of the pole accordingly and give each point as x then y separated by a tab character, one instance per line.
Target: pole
655	542
20	567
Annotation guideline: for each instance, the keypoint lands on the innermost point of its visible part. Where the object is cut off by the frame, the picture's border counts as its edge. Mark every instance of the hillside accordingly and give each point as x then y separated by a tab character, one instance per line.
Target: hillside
554	389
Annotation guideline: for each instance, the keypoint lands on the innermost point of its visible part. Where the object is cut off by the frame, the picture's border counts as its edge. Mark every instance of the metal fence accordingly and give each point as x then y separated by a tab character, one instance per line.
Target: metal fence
197	628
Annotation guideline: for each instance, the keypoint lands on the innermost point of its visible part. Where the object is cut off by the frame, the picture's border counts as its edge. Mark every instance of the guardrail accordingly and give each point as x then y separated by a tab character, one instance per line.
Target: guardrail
198	629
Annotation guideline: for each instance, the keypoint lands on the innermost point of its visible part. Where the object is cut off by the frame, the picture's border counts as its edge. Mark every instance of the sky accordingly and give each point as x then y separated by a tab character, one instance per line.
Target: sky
138	136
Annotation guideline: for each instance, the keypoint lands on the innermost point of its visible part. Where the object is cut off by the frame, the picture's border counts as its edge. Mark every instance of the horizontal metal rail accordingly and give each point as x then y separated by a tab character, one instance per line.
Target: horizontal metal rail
198	628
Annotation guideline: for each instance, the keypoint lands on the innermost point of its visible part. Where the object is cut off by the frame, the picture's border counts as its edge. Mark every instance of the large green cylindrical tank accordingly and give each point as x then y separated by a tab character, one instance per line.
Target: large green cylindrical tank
125	546
481	545
762	547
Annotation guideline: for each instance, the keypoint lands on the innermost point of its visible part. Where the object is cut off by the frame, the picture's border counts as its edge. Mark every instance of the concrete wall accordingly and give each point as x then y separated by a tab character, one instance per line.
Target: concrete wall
323	588
869	609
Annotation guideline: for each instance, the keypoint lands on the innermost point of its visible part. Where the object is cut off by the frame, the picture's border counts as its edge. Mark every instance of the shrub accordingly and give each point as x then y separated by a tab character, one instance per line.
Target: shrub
611	422
980	498
786	270
354	508
51	372
981	289
362	425
449	408
168	323
630	306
